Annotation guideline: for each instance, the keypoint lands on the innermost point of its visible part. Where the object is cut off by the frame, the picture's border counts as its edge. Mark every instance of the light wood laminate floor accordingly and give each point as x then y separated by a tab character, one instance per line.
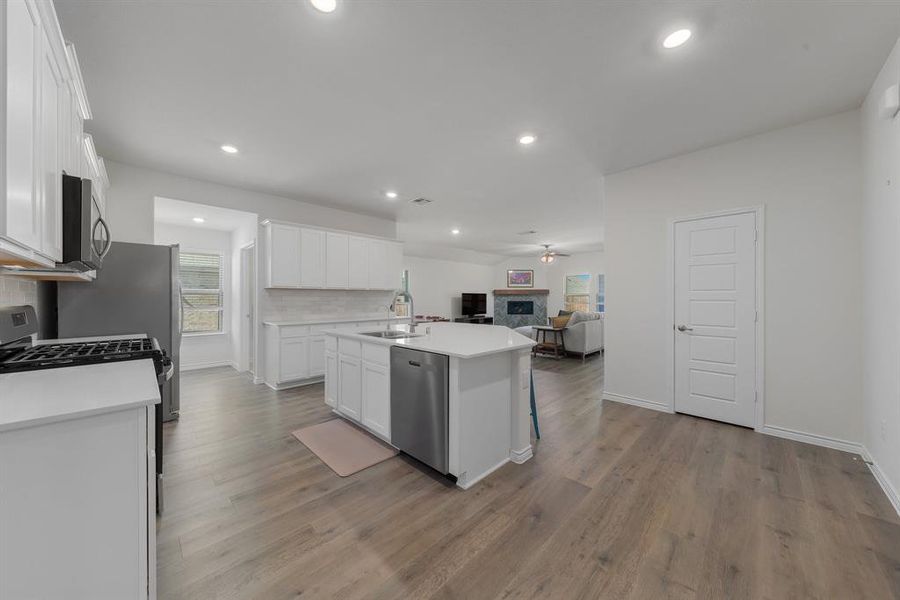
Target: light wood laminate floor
619	502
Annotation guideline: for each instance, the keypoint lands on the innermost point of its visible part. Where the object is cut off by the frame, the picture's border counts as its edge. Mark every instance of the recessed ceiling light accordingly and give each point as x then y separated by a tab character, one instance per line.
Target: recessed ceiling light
229	149
325	6
527	138
199	220
390	195
454	231
676	38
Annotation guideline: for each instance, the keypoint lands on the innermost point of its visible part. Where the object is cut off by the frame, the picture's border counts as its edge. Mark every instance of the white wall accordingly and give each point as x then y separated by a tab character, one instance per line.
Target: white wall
808	177
881	280
206	350
132	190
436	285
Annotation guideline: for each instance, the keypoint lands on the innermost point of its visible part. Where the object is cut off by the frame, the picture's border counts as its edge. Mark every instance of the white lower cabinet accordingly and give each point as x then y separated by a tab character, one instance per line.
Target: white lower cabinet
296	354
331	379
293	359
316	358
376	398
350	386
78	500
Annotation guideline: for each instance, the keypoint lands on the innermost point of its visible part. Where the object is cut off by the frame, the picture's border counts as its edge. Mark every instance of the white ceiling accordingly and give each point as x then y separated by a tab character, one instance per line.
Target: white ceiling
428	97
179	212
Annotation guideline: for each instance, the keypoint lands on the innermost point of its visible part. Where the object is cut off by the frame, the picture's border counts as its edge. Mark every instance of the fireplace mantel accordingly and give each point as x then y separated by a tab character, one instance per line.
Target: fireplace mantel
521	292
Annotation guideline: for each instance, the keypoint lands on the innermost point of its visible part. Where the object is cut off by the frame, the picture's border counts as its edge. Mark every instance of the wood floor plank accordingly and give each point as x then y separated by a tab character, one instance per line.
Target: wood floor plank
618	502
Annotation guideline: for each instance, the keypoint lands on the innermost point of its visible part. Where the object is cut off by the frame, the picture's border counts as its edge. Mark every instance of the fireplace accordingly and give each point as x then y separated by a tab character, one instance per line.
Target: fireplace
520	307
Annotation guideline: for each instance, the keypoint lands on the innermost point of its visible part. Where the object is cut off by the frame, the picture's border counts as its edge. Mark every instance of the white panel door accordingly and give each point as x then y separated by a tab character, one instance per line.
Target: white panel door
349	390
715	318
331	379
316	352
312	258
53	96
337	260
293	359
23	37
378	264
376	402
284	256
359	263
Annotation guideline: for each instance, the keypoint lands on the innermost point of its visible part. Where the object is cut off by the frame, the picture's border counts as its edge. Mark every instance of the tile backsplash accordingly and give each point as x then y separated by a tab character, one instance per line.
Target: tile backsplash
15	290
285	305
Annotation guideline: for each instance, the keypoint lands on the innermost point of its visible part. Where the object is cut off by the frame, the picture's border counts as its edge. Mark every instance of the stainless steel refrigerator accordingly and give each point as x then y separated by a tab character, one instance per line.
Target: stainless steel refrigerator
136	291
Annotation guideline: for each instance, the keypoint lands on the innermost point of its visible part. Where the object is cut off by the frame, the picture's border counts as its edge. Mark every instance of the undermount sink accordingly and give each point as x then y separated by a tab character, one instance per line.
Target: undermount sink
390	335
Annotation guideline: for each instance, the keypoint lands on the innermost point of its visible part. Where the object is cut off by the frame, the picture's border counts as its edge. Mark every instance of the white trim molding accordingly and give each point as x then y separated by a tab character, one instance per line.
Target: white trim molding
521	456
209	365
811	438
651	404
889	490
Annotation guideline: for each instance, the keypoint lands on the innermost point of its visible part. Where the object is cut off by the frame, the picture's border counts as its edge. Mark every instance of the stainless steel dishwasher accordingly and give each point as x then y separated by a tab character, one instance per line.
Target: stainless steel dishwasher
419	405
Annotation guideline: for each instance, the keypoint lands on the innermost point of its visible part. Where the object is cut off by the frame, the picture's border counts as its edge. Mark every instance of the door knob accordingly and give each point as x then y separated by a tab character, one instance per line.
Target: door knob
683	328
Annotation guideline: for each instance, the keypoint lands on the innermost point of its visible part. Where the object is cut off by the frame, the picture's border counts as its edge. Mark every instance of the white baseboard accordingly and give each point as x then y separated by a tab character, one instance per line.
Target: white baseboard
520	456
812	438
469	483
652	405
198	366
298	383
889	490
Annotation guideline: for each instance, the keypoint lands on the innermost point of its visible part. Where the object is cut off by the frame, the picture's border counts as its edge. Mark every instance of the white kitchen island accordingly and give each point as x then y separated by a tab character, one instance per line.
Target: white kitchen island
489	413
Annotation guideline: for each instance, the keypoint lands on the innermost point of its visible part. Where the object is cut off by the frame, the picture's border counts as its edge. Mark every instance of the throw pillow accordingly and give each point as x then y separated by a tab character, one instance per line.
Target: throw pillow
560	322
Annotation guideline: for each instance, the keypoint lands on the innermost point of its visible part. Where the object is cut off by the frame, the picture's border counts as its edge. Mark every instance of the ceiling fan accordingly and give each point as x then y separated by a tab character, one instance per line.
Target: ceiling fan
549	255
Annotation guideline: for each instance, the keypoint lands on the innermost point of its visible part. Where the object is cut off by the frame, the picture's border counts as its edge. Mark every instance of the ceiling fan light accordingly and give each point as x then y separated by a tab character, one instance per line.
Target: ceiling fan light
547	258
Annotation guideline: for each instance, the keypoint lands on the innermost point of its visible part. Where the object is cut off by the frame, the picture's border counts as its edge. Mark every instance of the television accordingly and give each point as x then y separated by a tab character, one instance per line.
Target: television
474	304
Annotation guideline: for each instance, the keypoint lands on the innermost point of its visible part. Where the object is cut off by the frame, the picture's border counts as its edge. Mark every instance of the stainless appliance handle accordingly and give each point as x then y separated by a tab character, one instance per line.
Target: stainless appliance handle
108	238
180	306
99	252
684	328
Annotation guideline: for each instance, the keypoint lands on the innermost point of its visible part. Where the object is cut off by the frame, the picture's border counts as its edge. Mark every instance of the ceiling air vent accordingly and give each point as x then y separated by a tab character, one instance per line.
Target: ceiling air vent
420	201
529	232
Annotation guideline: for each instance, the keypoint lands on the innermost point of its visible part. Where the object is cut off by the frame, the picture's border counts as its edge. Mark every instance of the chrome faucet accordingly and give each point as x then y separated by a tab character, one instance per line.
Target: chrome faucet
412	313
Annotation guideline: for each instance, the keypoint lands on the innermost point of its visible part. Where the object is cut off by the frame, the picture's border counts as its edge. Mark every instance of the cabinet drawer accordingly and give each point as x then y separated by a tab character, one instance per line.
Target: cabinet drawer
331	343
376	353
289	331
350	347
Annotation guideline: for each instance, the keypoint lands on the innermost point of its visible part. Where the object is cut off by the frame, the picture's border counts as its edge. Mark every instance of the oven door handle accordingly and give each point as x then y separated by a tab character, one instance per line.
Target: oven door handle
168	371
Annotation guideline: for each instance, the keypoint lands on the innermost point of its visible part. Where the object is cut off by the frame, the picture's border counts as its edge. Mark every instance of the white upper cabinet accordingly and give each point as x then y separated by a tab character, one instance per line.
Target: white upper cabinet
42	108
50	185
378	268
306	257
337	260
394	265
359	263
283	256
312	258
23	41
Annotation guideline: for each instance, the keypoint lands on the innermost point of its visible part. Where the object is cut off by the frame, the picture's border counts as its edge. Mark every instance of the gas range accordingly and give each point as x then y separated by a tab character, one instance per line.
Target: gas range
74	353
18	324
19	353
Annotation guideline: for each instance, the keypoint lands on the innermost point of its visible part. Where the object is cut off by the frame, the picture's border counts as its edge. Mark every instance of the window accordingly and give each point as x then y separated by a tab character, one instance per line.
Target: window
201	292
601	293
578	296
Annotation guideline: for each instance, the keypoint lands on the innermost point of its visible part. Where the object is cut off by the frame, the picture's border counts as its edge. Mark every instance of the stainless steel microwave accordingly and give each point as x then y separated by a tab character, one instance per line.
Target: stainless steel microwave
86	238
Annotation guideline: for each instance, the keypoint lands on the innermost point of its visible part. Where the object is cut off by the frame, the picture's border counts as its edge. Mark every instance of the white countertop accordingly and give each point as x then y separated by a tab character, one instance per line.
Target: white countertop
30	398
328	320
462	340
